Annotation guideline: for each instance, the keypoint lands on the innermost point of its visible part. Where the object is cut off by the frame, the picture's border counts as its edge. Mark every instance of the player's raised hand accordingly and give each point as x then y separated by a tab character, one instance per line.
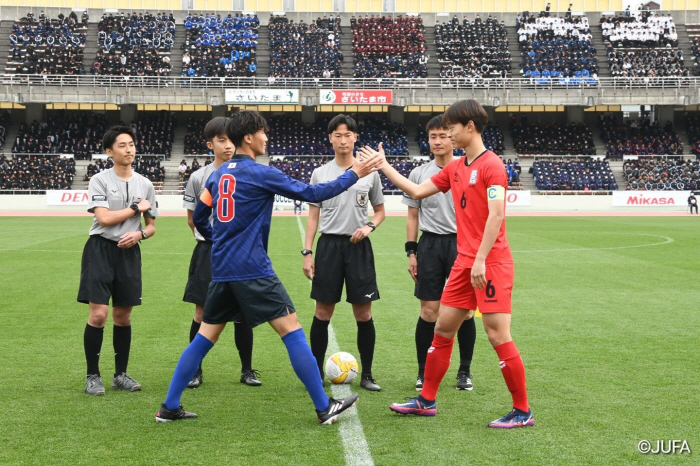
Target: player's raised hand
366	163
367	152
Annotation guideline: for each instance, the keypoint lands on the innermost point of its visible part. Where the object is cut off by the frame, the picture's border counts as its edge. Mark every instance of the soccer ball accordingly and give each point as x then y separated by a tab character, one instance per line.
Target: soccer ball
342	367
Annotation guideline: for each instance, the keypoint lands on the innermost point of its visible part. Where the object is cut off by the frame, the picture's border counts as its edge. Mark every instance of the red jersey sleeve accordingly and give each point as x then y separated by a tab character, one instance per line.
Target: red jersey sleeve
441	180
495	174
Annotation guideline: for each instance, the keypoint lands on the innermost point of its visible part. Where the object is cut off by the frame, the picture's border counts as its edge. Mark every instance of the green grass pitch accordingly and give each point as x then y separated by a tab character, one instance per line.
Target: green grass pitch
605	316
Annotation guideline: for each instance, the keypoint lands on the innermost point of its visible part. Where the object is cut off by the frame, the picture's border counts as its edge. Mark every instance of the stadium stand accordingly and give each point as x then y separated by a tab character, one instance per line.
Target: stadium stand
155	133
389	47
692	126
472	49
638	137
151	168
77	133
662	174
222	47
134	45
195	144
554	47
573	175
552	138
36	172
301	50
96	167
47	46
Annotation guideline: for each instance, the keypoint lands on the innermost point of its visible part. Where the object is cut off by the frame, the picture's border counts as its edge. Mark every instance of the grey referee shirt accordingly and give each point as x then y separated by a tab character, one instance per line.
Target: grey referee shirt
436	213
346	212
106	189
194	190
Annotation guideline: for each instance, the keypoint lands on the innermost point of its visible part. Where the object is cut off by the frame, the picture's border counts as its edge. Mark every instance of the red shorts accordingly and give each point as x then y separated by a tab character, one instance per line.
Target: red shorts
494	297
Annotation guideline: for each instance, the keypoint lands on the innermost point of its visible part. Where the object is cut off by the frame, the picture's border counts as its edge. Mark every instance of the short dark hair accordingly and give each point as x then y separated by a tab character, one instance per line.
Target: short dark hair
464	111
215	127
113	133
341	119
243	123
435	123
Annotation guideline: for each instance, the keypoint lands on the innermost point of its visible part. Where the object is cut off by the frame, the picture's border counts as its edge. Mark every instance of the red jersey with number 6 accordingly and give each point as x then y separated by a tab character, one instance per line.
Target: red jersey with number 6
473	185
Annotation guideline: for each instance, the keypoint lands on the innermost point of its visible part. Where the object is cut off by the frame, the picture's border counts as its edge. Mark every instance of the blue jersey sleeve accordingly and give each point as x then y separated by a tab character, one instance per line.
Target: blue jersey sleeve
201	220
279	183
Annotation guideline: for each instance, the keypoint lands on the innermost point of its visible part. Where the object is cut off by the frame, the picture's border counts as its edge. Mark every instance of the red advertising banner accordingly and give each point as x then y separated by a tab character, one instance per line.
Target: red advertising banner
355	97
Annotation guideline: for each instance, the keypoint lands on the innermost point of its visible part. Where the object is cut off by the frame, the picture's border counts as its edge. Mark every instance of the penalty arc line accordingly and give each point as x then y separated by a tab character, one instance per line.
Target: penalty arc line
351	433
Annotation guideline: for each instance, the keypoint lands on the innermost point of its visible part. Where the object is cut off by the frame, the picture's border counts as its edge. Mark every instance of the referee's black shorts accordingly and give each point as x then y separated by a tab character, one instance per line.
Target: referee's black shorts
251	301
108	271
199	275
339	261
435	255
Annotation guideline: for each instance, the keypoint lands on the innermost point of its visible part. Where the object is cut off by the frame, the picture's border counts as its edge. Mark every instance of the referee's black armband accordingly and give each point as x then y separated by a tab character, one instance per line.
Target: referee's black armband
411	246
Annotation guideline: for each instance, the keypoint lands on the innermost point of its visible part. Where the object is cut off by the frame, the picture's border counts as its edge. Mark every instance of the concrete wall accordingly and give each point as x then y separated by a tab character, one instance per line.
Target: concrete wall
37	203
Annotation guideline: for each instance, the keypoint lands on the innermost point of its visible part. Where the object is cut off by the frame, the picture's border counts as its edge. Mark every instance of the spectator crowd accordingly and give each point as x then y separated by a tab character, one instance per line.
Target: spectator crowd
134	45
221	47
389	47
646	63
638	137
36	172
301	50
573	175
552	138
195	143
155	132
472	49
662	174
48	46
644	30
554	47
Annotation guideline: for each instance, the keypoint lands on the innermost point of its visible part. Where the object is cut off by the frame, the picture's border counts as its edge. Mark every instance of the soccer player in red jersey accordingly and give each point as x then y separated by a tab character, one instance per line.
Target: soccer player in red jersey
483	272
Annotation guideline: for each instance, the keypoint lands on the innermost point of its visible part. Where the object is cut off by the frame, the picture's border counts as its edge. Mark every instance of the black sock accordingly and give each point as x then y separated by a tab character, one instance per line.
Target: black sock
194	330
121	339
243	334
319	341
424	338
366	336
467	338
92	341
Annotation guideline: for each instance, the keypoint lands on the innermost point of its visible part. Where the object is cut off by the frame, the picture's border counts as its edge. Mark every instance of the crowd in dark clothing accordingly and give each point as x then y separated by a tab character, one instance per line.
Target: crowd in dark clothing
472	49
77	133
389	47
662	174
554	47
222	47
195	143
573	175
692	126
149	167
301	50
299	168
552	138
135	45
48	46
96	167
36	172
155	133
638	137
662	63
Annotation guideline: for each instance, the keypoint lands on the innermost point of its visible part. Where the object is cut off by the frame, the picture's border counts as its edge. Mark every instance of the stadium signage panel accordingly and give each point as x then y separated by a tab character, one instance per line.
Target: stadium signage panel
650	198
67	197
355	97
518	198
262	96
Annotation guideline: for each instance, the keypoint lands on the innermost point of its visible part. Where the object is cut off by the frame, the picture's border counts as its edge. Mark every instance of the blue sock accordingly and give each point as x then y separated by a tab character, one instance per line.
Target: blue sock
186	368
305	366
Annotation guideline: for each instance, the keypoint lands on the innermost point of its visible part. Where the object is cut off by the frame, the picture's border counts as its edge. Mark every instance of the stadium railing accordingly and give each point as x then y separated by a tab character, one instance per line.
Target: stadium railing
11	155
347	83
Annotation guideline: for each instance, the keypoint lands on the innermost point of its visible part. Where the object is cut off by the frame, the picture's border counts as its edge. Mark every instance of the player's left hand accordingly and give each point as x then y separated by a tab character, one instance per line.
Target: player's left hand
130	239
479	274
367	152
360	234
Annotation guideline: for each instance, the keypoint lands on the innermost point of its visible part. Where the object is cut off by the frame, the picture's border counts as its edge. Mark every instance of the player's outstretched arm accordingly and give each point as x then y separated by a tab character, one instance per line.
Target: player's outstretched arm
367	165
416	191
201	215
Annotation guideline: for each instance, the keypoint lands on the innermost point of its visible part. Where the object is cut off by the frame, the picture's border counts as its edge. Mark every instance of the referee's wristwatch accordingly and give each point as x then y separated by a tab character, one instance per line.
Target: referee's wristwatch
143	234
306	252
371	225
135	207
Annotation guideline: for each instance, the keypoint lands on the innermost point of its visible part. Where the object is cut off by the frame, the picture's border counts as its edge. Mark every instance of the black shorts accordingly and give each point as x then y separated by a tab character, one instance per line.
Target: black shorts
337	261
251	301
199	275
436	255
108	271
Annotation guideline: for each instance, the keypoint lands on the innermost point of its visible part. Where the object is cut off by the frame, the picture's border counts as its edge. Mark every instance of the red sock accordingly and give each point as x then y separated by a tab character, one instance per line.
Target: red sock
513	371
436	365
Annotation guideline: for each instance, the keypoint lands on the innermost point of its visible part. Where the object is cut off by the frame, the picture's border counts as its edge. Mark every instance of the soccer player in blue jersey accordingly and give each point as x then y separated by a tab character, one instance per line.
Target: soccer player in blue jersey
244	287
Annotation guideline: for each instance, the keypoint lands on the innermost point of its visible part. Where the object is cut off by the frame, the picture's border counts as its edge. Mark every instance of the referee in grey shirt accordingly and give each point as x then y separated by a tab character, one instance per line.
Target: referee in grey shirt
344	251
111	263
199	275
430	260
